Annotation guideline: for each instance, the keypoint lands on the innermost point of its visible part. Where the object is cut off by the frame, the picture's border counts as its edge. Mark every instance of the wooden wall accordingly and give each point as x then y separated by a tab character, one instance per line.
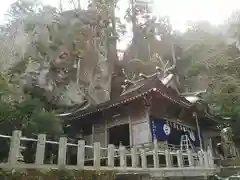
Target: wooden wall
133	114
136	115
140	125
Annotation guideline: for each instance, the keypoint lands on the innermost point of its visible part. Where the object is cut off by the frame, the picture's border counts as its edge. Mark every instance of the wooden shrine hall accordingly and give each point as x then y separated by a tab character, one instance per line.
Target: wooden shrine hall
147	110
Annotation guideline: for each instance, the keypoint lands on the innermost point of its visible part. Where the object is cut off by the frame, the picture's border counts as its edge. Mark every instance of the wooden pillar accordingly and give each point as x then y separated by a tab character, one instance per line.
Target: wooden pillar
130	130
14	147
205	157
123	159
179	159
210	157
200	157
155	154
168	159
40	153
134	157
106	133
111	155
143	158
96	154
62	151
210	146
147	108
149	126
93	134
190	158
81	153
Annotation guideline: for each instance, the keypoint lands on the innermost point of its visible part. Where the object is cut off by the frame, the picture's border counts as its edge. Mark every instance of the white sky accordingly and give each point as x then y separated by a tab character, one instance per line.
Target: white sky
179	11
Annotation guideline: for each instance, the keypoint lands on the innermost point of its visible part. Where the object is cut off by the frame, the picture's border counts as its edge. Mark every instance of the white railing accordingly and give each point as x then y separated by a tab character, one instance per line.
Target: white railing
120	159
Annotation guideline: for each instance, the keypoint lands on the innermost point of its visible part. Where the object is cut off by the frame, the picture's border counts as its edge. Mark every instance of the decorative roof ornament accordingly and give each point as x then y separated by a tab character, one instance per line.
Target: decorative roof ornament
193	99
158	69
131	85
197	93
166	80
144	76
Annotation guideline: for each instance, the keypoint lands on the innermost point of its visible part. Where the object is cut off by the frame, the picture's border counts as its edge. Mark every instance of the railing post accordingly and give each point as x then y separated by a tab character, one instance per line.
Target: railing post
200	157
81	153
168	158
179	158
143	158
205	157
210	157
40	153
123	158
134	157
155	154
96	154
190	158
62	151
14	147
111	155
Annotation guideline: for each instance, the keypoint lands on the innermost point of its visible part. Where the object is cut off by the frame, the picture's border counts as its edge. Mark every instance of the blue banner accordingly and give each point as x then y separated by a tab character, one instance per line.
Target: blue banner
171	132
158	130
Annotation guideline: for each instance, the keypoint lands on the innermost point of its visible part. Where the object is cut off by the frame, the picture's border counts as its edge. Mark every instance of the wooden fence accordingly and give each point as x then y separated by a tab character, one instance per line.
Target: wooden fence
132	160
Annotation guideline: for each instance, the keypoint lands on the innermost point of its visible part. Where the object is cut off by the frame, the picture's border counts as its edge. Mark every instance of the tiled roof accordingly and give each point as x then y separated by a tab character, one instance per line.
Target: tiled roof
148	86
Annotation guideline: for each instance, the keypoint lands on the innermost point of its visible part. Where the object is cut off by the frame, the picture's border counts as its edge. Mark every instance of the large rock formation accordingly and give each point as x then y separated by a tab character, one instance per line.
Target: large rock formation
65	59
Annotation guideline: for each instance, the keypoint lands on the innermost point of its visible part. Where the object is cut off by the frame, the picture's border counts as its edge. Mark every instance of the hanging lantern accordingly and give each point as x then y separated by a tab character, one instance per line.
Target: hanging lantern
184	129
181	127
174	125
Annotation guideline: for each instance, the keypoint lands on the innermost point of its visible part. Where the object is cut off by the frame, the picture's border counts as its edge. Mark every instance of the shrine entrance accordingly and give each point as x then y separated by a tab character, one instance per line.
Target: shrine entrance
119	134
